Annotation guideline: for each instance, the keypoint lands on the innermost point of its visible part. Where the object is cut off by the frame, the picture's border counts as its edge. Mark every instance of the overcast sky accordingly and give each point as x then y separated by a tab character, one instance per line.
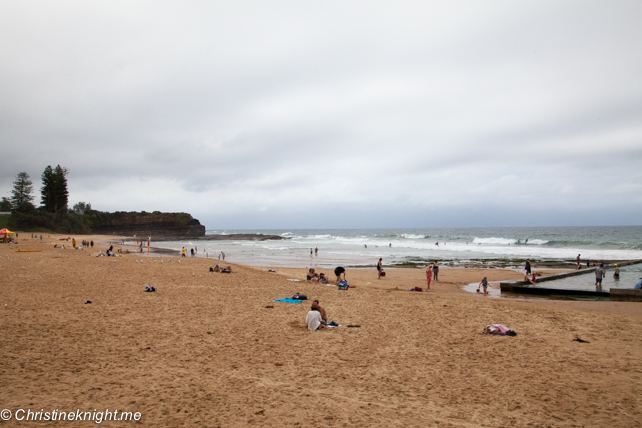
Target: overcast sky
329	114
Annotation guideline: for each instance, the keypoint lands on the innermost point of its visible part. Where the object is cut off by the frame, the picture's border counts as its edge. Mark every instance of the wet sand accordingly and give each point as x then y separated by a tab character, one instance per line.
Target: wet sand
214	349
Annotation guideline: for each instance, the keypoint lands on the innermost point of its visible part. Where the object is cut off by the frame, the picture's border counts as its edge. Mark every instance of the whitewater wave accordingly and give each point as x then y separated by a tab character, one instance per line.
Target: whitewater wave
495	241
412	236
534	242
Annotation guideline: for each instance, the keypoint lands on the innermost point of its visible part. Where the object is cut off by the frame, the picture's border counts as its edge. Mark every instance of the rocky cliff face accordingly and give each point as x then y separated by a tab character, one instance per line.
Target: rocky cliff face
158	225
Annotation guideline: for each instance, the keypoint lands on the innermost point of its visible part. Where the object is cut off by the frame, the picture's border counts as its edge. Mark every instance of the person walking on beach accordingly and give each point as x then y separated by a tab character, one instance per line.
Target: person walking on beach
379	267
428	276
183	252
599	274
435	270
528	266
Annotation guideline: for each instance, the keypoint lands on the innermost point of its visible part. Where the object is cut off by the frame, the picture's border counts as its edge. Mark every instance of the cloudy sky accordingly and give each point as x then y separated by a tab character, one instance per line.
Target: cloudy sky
324	114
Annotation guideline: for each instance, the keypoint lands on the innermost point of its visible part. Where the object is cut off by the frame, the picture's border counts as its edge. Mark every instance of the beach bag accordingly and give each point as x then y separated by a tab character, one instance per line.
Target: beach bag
342	285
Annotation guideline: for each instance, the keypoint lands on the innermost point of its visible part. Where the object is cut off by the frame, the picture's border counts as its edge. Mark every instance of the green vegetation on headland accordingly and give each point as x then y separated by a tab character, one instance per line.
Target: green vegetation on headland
54	216
116	223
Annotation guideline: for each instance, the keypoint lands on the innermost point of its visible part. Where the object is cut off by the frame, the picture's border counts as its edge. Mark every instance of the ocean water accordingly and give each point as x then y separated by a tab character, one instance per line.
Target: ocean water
363	247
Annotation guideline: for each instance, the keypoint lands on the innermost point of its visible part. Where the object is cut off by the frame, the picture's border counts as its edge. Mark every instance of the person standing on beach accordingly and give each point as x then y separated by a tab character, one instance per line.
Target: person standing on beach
316	250
428	276
435	270
92	241
183	252
599	274
311	252
379	267
528	266
616	272
578	261
338	271
222	256
483	284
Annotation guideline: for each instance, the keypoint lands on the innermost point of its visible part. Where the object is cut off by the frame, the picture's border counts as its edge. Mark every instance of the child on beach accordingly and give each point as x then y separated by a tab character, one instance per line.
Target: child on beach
483	284
428	276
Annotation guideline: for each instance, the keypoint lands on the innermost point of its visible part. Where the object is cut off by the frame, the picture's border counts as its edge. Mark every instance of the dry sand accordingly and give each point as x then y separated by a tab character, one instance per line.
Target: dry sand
214	349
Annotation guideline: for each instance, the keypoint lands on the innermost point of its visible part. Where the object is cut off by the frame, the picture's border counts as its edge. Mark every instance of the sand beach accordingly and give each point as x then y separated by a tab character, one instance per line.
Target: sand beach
211	349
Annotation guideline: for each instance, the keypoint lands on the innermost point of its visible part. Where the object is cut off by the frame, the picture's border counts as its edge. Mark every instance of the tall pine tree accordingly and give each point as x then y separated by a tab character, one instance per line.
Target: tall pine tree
54	193
21	197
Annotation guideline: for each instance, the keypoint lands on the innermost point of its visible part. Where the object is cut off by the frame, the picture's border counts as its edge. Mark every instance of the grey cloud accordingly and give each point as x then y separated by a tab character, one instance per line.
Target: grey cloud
246	112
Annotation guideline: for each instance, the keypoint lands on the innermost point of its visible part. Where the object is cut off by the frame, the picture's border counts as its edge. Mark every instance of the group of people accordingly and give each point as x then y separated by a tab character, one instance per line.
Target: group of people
217	268
321	278
317	317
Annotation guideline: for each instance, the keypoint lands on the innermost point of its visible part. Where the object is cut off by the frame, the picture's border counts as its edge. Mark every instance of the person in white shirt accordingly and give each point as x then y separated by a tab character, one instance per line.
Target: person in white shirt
313	319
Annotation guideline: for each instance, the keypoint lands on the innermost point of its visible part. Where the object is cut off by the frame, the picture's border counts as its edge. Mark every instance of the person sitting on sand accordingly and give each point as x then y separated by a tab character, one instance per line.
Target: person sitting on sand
313	319
324	316
323	279
310	274
338	271
227	269
315	278
484	285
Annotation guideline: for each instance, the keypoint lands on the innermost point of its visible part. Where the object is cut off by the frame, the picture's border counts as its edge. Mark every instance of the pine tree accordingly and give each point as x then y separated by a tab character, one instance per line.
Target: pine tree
46	191
62	193
5	205
54	194
21	197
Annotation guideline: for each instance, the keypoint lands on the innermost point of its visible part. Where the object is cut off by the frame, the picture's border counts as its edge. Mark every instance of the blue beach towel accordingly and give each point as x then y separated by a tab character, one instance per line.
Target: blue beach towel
288	300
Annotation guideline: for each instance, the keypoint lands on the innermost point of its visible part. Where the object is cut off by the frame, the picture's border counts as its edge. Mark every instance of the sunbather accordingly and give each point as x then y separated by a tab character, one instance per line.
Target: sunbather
227	269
